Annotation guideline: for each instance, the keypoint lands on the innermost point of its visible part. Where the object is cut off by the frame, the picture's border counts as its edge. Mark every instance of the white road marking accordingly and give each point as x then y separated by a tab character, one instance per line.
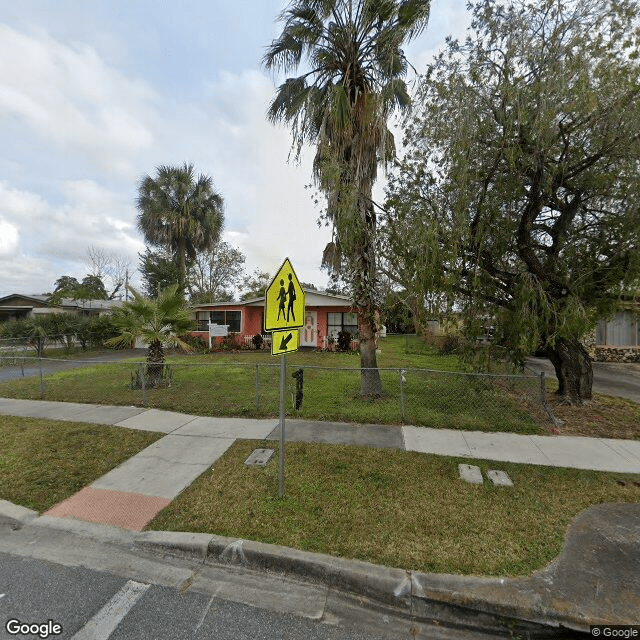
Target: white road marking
207	609
105	622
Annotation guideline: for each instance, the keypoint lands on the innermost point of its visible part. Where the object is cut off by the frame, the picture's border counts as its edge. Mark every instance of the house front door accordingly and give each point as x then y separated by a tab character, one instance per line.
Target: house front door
309	333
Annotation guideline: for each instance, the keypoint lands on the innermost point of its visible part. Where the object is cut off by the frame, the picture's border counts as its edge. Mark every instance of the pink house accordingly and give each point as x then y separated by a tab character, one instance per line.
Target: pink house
325	316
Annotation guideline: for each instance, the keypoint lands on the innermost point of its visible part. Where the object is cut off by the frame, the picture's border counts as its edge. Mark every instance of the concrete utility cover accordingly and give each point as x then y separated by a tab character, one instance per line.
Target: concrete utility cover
259	457
499	478
470	473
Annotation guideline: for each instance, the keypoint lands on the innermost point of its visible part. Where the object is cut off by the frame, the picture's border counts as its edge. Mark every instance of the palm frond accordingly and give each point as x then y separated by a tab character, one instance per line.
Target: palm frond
395	91
284	53
413	17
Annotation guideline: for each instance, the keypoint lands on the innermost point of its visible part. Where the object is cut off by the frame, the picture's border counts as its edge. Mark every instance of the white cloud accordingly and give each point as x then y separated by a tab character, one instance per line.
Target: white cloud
66	95
8	238
54	238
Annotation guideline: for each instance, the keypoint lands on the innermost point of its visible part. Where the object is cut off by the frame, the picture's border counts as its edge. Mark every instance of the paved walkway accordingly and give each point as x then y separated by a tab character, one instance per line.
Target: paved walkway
130	495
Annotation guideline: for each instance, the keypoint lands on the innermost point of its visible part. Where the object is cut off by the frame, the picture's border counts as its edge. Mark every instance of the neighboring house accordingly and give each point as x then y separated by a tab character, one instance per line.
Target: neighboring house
325	316
617	339
17	306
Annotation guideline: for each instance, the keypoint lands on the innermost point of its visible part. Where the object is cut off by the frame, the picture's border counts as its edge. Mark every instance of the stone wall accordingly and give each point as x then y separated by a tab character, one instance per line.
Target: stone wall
615	354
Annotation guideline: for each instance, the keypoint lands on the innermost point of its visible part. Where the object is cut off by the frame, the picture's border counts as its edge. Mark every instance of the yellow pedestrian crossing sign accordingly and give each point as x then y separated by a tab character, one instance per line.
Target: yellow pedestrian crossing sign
284	301
284	341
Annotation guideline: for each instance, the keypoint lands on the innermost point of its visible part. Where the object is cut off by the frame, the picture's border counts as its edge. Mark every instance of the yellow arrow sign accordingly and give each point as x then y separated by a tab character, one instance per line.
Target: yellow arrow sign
284	301
284	341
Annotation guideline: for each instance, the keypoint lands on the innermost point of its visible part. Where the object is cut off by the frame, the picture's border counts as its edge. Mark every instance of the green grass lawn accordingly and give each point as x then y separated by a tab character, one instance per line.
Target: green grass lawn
225	384
45	461
396	508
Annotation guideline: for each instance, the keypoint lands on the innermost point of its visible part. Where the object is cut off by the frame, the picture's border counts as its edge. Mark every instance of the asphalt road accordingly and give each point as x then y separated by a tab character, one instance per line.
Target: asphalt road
98	591
611	378
92	604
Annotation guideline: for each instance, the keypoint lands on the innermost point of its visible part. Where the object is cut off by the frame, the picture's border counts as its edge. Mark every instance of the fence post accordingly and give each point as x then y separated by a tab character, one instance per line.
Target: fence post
143	384
41	380
543	399
402	404
258	388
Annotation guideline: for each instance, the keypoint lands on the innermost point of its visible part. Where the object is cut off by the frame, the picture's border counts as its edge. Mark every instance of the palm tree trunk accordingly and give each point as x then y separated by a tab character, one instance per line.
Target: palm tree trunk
155	363
370	381
365	299
182	264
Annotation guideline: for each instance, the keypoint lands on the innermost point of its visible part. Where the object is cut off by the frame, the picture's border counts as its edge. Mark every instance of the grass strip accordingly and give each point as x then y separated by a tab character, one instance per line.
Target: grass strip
45	461
397	508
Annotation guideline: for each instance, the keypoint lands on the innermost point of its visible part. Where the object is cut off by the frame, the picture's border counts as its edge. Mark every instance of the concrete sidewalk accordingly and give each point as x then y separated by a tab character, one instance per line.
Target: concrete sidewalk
130	495
598	454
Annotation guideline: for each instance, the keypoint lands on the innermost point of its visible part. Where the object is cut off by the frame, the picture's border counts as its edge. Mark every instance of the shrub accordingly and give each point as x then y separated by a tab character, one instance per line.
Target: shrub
99	330
230	342
451	343
258	341
344	341
196	343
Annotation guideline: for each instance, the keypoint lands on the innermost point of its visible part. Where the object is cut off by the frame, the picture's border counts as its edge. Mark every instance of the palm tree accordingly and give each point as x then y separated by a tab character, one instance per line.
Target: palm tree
352	81
157	322
180	213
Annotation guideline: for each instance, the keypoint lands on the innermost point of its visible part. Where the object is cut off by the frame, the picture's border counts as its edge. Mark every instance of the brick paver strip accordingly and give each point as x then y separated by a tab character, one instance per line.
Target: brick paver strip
117	508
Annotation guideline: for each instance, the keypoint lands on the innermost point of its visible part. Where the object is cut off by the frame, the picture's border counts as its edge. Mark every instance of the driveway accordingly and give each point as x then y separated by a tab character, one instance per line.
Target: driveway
610	378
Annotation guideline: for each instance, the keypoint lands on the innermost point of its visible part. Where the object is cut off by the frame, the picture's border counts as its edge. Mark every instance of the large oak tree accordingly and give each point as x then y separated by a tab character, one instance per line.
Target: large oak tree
520	191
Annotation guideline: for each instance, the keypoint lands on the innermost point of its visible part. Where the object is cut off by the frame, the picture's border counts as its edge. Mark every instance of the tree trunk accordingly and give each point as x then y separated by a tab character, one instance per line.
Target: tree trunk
365	291
155	363
370	382
573	370
417	311
182	265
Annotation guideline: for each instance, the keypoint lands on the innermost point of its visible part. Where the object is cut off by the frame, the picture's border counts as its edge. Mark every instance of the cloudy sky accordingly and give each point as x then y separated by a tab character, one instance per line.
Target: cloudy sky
95	94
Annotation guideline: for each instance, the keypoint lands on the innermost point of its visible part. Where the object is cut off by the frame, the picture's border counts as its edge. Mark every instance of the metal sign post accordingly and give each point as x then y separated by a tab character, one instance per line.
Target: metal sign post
283	316
283	373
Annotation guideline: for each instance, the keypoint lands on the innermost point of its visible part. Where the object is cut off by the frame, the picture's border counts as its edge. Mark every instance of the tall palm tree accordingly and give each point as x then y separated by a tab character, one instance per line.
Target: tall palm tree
157	321
352	80
180	213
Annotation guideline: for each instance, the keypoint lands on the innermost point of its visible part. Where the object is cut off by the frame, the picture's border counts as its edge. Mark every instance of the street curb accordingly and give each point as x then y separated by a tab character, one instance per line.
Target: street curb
14	515
384	584
184	545
450	600
602	541
101	532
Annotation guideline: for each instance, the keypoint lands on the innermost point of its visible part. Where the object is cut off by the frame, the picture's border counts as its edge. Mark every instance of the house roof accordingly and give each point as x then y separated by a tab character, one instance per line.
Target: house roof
313	298
29	300
43	301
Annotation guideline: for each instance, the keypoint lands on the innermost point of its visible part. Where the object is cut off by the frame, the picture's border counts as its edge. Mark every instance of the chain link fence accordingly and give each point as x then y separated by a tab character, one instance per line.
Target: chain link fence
428	397
41	345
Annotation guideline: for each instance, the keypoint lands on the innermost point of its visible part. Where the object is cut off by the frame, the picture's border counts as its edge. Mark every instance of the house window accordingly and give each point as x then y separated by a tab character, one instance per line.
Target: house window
232	318
337	322
202	319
